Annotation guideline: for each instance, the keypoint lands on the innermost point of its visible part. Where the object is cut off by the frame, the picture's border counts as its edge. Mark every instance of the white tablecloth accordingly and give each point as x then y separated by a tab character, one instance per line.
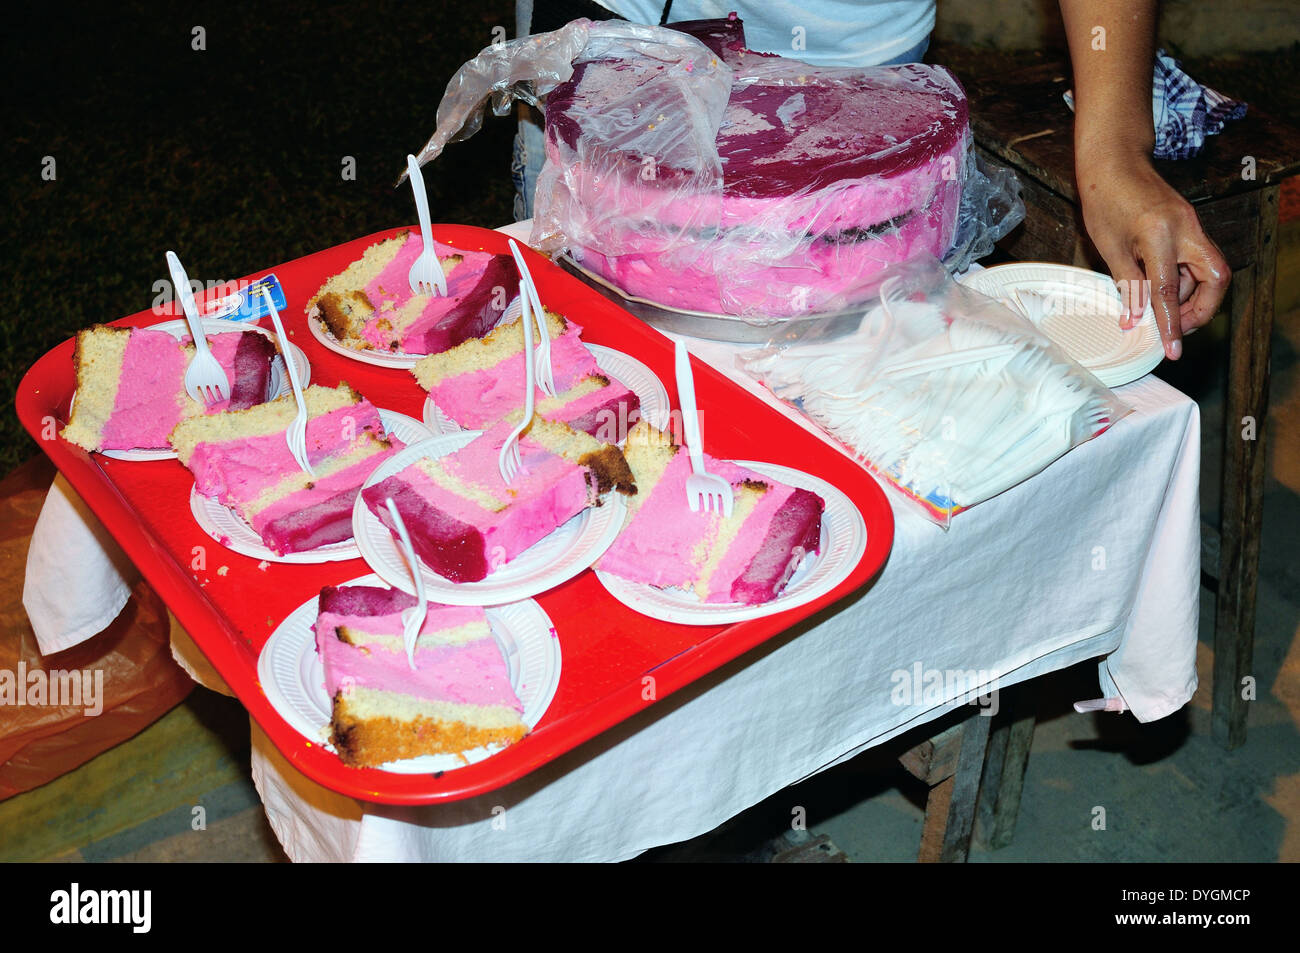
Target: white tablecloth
1096	556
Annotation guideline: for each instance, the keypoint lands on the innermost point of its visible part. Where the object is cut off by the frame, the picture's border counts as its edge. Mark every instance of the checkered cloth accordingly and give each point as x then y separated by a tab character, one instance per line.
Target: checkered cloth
1185	112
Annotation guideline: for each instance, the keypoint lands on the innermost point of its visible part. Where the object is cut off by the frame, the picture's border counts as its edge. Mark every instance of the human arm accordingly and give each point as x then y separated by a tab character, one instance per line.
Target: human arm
1149	236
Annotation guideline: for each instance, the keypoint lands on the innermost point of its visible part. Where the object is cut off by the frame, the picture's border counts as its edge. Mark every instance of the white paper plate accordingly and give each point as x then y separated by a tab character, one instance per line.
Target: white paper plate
843	542
294	679
379	358
227	528
623	368
277	386
1085	322
557	558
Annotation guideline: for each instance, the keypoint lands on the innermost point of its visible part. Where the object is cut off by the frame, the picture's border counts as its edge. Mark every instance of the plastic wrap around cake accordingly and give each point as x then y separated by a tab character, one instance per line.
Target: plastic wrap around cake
705	177
828	176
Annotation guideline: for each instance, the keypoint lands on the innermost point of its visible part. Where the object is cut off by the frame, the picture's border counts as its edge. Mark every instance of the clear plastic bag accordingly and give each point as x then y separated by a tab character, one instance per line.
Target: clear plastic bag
948	395
634	185
531	67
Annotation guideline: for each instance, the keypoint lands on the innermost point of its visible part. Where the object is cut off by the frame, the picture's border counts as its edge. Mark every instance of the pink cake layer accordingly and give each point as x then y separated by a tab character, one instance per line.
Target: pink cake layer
472	673
827	177
462	540
478	289
817	277
607	413
604	413
657	547
237	472
477	399
309	518
480	397
150	399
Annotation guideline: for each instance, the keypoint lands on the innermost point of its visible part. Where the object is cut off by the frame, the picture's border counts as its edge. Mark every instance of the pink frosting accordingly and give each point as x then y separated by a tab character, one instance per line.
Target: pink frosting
439	618
828	177
459	538
812	275
150	395
470	307
473	673
752	537
476	398
606	413
656	547
238	470
307	518
150	399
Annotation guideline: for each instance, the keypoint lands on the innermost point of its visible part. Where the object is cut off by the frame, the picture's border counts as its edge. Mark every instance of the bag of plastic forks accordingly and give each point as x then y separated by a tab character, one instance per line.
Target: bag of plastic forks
945	393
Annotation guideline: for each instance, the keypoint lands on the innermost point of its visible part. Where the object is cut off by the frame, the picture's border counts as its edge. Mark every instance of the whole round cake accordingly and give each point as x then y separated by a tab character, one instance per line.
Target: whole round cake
788	199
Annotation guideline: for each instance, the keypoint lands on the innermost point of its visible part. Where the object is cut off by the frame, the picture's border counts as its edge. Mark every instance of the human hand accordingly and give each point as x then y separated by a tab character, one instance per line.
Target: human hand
1154	245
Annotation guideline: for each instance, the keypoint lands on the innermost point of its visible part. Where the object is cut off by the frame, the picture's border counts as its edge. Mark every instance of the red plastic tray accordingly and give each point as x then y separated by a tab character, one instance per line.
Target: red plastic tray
606	647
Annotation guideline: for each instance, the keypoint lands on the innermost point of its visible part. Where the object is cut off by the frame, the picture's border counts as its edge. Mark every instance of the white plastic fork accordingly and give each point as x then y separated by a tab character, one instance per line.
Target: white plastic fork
412	618
427	276
296	435
545	372
509	461
1034	306
205	379
939	362
703	489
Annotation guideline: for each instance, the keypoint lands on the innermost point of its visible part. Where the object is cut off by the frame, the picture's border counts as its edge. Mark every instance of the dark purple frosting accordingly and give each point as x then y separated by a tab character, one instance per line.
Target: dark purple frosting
795	128
363	600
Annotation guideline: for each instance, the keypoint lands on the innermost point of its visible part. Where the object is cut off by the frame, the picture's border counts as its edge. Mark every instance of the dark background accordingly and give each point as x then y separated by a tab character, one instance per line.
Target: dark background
231	156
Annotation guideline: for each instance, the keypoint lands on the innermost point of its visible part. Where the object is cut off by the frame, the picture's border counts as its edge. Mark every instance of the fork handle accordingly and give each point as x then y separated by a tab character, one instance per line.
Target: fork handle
529	301
290	367
422	209
421	608
690	412
530	370
185	294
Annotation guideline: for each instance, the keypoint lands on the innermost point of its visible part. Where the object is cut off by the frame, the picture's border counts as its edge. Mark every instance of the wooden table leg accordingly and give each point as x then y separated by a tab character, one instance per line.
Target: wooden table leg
1242	506
950	807
1004	766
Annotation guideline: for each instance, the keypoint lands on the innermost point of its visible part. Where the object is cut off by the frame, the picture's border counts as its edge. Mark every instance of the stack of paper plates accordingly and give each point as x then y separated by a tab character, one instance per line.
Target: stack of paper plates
1082	316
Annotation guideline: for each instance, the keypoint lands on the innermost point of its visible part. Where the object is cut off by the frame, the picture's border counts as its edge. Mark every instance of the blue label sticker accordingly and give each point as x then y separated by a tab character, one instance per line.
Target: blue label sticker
249	304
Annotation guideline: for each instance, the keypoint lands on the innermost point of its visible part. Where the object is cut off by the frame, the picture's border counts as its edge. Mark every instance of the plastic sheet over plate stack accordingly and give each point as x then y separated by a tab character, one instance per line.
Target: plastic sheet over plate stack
944	392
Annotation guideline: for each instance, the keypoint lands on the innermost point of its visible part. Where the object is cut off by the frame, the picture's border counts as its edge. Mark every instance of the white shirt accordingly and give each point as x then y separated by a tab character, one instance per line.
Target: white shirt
820	32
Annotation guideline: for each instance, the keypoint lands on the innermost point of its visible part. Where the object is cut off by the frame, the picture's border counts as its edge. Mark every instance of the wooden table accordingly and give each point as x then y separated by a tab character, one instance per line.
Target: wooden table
1020	119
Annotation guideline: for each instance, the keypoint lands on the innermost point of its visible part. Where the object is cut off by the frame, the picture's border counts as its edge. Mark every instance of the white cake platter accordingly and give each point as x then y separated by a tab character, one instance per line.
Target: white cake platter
226	527
730	328
1082	317
556	558
277	385
293	677
843	543
624	368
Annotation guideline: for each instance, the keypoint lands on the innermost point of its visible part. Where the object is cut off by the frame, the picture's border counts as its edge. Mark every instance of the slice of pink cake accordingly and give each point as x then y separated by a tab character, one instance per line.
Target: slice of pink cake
746	558
480	381
131	384
457	698
241	459
369	305
465	521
